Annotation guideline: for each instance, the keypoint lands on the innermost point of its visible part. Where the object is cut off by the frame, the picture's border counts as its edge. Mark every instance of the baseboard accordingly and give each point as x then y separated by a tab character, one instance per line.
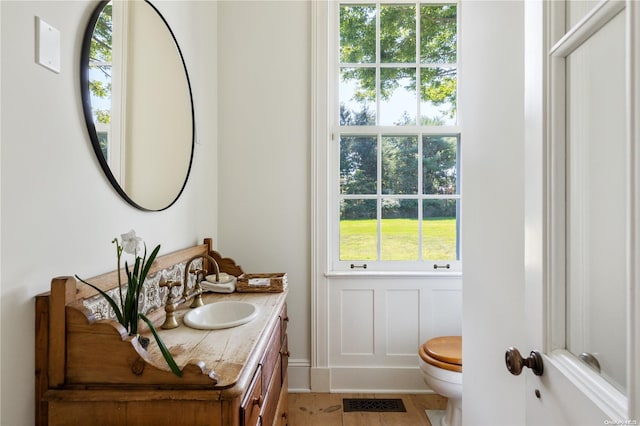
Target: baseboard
299	378
377	380
320	379
304	378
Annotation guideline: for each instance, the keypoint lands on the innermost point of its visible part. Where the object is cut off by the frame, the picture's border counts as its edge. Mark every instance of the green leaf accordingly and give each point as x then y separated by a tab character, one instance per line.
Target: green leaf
130	304
149	262
165	352
111	302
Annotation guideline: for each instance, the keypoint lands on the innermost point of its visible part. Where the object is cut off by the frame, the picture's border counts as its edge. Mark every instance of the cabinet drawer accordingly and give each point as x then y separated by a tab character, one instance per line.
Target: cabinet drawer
254	400
272	396
270	358
282	414
284	321
284	352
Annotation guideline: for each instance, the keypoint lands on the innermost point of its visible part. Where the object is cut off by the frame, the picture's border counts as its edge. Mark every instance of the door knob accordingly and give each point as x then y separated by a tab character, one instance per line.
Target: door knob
515	362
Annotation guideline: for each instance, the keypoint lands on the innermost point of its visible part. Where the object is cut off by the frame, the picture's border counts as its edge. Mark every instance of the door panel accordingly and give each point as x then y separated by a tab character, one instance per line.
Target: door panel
559	401
596	200
579	211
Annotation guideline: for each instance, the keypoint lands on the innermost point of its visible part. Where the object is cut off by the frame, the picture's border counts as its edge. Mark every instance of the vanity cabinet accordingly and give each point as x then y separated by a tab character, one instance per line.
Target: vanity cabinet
88	370
265	402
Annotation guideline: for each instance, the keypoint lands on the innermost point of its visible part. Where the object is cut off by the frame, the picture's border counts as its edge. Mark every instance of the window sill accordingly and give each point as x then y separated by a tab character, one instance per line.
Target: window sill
393	274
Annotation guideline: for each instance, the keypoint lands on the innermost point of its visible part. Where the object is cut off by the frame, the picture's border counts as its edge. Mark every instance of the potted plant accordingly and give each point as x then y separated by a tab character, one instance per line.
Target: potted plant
127	312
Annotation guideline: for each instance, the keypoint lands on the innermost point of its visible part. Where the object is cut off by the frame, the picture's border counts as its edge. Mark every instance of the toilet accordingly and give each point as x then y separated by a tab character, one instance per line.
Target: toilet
441	367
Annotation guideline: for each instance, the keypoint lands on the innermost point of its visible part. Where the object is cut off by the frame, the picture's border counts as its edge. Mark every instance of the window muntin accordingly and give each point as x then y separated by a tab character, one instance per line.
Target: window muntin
398	195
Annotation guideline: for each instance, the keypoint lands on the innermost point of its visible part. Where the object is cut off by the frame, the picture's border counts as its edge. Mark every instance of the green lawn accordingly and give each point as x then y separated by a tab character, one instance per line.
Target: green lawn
400	239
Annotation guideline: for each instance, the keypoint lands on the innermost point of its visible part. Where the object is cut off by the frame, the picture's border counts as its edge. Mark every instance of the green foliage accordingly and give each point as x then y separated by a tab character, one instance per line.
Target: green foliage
104	143
399	165
398	68
438	46
136	278
357	34
103	116
375	77
439	156
357	118
358	164
101	42
439	208
357	209
438	34
99	89
100	58
163	348
397	34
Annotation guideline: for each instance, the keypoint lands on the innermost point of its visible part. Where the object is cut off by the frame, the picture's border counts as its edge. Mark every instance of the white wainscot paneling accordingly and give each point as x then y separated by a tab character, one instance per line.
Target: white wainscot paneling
357	310
376	325
402	330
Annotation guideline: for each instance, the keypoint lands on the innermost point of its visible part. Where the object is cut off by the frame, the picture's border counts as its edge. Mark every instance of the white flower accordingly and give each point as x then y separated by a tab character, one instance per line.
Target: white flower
131	243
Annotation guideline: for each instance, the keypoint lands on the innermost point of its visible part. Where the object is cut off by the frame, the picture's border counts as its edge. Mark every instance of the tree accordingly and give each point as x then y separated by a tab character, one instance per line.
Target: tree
439	174
439	164
399	165
438	78
358	157
358	166
100	59
438	45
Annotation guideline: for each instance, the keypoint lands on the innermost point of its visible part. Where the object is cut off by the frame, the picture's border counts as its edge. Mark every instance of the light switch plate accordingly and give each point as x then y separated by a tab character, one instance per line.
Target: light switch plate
47	45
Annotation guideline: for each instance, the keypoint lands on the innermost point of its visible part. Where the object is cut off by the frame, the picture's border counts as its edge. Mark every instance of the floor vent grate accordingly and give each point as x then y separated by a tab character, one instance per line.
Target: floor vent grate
373	405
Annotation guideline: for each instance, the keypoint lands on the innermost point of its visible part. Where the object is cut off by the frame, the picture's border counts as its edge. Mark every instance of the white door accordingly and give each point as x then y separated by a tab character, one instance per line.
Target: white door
582	197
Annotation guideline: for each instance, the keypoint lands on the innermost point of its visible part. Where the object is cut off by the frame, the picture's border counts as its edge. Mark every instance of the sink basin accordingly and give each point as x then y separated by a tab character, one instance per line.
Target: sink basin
221	315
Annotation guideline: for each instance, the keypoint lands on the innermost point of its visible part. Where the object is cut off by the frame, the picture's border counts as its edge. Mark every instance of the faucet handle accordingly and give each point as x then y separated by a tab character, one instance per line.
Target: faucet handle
169	284
170	307
197	289
199	271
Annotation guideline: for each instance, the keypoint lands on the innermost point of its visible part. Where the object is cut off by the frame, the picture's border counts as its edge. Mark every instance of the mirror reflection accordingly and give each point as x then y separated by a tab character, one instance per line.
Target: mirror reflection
137	103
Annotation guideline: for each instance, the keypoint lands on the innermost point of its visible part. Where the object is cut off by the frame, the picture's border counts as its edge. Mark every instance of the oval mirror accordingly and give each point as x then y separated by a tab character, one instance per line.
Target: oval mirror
137	103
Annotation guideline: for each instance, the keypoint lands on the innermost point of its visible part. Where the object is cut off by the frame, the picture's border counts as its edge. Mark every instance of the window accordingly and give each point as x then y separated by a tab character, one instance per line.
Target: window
397	141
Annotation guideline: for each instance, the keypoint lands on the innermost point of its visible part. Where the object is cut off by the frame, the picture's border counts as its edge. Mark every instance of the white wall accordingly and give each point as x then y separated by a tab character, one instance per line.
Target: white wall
491	103
1	49
264	145
59	213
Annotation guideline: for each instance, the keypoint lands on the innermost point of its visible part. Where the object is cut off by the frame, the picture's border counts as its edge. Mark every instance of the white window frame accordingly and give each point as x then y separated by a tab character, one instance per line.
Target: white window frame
332	138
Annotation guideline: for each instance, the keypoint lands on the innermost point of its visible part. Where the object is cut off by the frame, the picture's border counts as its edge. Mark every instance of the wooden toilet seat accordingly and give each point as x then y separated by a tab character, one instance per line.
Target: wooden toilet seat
443	352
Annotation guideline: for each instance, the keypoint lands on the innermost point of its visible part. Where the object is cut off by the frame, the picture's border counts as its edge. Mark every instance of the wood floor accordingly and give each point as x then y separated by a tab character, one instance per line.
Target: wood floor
325	409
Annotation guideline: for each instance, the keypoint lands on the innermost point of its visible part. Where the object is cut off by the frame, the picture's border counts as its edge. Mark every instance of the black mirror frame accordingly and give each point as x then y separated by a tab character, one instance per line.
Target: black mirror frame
86	106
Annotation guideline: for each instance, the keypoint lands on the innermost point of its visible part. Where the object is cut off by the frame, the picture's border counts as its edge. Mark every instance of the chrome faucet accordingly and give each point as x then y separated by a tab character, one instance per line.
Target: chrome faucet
173	302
